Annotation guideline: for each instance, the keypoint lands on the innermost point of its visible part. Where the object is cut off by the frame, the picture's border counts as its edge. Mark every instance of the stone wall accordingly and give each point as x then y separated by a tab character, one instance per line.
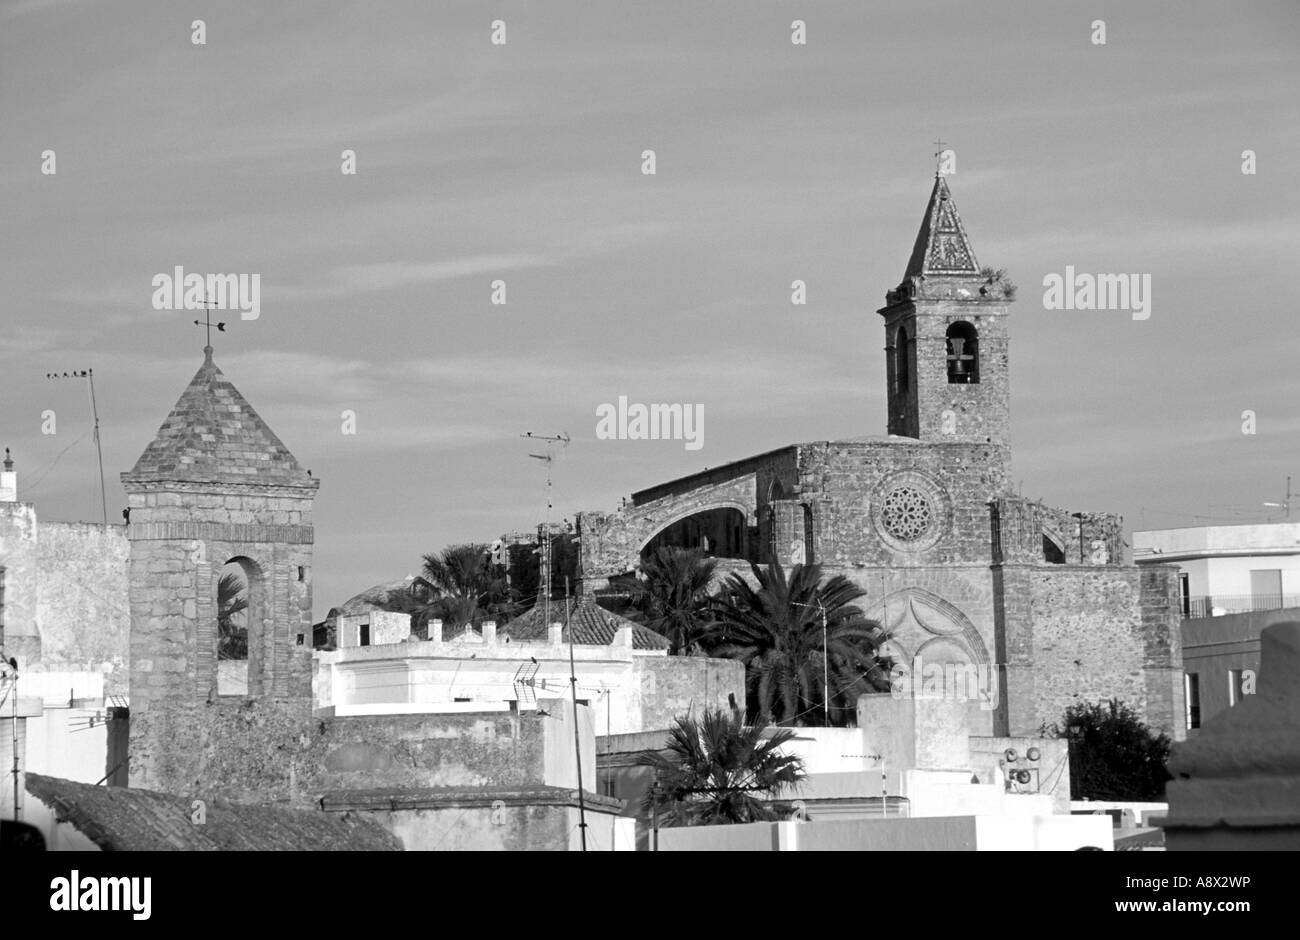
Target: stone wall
979	412
262	750
514	827
181	536
18	556
1073	634
65	595
846	482
83	611
1162	661
672	686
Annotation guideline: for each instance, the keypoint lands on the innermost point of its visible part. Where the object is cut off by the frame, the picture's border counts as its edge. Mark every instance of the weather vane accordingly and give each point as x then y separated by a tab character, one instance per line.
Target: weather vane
206	322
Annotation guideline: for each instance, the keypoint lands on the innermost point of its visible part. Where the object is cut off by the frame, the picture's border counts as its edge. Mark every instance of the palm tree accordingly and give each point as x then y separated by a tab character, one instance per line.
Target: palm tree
672	595
776	630
232	599
715	770
466	582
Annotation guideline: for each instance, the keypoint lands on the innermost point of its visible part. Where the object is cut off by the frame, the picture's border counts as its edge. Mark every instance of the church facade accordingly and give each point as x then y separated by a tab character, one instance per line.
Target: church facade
959	569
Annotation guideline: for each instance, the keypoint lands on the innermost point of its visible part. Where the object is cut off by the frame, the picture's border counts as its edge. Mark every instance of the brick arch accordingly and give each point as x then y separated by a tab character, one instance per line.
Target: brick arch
745	510
1056	539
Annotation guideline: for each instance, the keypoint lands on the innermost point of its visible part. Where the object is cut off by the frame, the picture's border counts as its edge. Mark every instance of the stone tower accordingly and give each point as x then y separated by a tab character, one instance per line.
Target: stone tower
946	338
215	487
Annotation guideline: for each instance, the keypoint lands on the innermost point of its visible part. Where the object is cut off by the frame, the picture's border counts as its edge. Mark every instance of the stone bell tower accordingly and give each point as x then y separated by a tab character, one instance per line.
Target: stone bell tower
215	489
946	338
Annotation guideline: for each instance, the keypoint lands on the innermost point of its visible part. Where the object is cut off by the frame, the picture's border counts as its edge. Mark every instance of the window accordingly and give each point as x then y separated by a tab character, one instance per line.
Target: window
903	347
1192	683
302	573
462	698
363	635
963	354
1053	553
1185	593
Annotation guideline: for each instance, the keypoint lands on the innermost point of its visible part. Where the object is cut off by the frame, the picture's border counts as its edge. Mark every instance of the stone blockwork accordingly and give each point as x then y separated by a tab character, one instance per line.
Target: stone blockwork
611	543
262	750
1163	649
954	564
1074	634
65	595
673	686
18	555
845	484
215	486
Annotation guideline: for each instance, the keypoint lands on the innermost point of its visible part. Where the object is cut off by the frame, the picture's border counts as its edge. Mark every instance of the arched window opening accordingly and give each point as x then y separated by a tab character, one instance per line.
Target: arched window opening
719	533
239	628
963	354
1053	552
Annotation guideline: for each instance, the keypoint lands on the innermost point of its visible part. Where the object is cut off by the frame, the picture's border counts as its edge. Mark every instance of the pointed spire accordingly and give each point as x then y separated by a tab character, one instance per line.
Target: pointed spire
213	435
942	247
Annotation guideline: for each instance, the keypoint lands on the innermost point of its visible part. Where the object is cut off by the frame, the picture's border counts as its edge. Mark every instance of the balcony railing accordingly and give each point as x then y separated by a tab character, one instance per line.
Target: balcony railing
1216	605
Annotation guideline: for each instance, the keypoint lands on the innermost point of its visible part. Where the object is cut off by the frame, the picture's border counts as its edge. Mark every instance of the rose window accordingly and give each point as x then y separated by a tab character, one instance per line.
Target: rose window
906	513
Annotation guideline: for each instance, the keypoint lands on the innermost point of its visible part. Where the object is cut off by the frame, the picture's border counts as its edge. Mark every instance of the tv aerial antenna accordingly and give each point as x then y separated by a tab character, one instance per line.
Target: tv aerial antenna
89	376
1285	505
544	531
547	458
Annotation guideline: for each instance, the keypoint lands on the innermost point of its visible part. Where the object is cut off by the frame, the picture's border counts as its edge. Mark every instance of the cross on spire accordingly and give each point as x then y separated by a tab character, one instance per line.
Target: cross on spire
938	154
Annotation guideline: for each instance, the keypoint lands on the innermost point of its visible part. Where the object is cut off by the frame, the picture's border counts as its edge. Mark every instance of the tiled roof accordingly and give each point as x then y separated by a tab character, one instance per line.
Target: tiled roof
214	435
592	625
942	247
396	596
130	820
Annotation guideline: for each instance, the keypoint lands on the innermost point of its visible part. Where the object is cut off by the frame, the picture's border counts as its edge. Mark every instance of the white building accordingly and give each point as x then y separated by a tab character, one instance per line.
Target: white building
624	672
1229	569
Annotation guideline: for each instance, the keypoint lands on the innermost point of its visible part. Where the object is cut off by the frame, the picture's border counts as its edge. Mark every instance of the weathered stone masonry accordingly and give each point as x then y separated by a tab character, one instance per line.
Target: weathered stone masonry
215	485
955	565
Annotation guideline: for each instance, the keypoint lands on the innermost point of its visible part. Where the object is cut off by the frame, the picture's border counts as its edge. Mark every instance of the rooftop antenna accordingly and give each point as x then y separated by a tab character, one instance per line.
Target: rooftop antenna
89	375
1285	505
544	531
577	739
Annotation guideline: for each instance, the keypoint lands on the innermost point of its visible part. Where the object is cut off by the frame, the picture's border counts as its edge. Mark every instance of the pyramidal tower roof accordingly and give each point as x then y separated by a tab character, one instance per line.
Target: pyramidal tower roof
942	247
213	435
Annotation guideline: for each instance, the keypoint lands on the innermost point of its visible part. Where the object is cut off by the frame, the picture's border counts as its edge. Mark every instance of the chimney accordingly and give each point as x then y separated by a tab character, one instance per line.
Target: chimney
435	632
490	632
555	634
8	481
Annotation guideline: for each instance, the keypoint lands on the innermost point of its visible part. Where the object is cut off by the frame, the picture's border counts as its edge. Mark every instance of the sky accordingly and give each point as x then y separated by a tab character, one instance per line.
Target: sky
523	163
